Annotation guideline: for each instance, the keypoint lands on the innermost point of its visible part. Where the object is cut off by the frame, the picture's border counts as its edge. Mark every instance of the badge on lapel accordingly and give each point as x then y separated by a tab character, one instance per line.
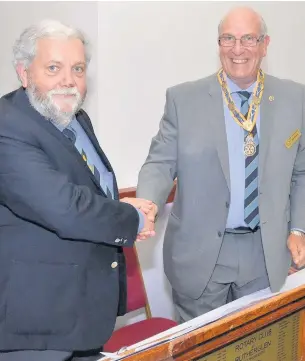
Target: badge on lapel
293	138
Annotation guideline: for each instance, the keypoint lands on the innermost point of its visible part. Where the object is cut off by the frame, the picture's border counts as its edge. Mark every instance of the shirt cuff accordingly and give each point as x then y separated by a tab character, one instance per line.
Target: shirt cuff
141	220
298	229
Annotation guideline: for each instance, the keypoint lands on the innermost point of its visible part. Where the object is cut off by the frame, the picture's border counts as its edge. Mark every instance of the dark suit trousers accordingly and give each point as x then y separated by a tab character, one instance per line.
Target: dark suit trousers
49	356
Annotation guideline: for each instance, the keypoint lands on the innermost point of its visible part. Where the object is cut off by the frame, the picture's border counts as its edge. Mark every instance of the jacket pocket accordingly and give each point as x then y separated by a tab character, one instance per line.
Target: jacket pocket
42	298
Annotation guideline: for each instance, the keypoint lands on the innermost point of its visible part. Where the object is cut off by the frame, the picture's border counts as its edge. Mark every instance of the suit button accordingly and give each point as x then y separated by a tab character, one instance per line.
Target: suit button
219	234
227	204
114	264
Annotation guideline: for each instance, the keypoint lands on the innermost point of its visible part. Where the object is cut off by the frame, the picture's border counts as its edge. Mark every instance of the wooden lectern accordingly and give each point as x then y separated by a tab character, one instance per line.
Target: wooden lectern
271	330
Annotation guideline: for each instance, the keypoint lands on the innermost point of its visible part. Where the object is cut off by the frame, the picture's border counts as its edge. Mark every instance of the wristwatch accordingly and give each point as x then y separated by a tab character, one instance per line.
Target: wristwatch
297	233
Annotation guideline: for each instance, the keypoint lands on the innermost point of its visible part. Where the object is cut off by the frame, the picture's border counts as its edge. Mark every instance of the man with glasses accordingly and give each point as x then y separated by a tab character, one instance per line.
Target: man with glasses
235	143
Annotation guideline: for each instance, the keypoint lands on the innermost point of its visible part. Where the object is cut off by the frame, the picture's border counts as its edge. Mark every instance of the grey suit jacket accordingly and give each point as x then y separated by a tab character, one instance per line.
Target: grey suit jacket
191	145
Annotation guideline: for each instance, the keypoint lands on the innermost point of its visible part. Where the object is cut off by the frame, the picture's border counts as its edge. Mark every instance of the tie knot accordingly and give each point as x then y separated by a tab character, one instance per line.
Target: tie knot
70	133
244	95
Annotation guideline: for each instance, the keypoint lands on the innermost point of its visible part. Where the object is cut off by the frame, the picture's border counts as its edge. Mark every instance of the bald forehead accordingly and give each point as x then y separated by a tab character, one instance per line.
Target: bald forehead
241	21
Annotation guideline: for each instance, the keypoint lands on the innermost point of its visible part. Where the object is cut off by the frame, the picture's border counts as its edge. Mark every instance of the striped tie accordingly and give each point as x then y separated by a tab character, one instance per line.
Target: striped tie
251	171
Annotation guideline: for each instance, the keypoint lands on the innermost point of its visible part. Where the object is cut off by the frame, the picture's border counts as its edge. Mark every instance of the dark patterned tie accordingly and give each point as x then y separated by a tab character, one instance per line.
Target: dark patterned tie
251	215
70	135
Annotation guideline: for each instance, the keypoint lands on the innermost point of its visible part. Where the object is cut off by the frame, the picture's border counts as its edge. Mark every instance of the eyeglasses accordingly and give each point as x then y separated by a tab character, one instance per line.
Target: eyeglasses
246	40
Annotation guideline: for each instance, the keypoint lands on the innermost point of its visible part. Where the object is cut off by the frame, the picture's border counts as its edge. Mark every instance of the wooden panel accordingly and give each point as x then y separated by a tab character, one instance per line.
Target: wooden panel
131	193
302	336
204	348
225	331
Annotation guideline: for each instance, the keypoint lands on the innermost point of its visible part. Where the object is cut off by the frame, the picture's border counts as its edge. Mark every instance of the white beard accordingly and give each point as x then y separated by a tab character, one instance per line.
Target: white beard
44	104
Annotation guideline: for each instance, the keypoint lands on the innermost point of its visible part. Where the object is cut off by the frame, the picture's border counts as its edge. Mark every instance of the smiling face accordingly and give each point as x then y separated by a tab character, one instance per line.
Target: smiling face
55	81
241	63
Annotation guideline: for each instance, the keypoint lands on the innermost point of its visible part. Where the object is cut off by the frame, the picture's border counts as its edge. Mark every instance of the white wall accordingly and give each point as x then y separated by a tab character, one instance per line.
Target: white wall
140	49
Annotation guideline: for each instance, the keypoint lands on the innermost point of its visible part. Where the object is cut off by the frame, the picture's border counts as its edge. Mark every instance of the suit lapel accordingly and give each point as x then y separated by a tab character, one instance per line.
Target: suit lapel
217	122
21	101
266	127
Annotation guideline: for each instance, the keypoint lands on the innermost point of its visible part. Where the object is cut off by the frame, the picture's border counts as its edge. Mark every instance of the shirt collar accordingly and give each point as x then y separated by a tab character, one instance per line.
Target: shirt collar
235	88
71	125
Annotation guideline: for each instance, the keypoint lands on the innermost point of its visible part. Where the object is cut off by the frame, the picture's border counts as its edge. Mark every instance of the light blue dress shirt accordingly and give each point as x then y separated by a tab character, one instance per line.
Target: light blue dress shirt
235	138
106	178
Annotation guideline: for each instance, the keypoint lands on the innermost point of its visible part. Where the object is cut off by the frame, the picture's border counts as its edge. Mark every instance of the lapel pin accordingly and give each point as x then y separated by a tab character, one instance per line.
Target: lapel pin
271	98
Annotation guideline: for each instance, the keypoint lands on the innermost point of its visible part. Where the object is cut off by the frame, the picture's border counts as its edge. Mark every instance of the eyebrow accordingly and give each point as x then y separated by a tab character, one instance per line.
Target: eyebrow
80	63
59	62
235	36
54	61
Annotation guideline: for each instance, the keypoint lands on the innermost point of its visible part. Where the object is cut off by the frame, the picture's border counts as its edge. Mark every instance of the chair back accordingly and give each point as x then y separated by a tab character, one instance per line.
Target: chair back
136	293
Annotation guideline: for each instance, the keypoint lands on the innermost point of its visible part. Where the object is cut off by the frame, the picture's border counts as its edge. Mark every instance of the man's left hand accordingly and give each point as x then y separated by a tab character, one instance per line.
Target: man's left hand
296	245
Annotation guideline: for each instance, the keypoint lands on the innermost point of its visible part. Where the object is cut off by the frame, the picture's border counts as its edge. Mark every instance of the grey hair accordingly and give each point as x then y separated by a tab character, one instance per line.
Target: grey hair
24	49
263	30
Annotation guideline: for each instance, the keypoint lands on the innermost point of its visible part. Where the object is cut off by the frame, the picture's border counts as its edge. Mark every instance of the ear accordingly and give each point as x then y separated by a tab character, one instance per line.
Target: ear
267	40
23	75
266	43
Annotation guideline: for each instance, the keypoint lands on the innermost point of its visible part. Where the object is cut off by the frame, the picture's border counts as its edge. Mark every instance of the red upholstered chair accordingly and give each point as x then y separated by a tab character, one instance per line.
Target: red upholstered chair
136	299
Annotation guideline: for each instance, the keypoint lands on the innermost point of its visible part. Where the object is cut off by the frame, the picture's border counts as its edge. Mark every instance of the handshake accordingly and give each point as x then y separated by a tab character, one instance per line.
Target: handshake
149	210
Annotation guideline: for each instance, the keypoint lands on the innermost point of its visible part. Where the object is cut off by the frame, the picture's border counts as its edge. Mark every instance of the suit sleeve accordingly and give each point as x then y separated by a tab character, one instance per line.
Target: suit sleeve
34	190
297	194
160	168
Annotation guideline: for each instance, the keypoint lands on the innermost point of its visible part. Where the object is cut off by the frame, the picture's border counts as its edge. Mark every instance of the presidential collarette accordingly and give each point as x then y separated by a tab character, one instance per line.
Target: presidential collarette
248	122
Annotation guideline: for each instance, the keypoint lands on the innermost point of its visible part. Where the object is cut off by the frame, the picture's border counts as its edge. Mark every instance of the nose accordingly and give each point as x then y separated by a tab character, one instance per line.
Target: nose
67	78
238	48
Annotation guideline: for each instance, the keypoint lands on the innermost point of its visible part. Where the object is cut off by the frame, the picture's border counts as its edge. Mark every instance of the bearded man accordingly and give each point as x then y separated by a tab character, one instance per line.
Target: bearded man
62	226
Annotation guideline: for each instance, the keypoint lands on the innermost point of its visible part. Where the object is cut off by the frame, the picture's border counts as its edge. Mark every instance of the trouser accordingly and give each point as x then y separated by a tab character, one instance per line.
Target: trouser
240	270
50	355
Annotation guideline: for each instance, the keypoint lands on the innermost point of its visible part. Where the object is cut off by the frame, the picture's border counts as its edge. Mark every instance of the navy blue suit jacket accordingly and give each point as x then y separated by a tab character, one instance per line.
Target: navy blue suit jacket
62	270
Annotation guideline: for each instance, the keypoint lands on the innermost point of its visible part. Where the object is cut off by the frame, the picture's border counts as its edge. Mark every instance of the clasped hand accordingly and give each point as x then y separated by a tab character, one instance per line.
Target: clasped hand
149	210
